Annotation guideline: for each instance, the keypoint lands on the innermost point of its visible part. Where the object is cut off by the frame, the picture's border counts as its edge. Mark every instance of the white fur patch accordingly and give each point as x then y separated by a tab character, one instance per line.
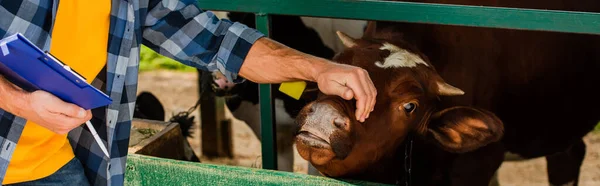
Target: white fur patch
399	58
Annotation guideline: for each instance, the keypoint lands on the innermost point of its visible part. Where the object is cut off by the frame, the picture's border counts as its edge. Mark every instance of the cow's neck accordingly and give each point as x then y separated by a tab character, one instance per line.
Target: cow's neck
427	166
388	169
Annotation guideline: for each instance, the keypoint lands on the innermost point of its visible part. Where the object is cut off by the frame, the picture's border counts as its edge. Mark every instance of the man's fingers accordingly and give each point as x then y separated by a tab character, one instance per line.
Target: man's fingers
364	80
55	105
341	90
70	110
56	115
348	95
62	124
359	95
350	82
373	93
88	116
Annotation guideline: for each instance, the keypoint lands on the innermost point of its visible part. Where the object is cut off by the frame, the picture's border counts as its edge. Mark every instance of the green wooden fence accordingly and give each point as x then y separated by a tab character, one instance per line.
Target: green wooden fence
146	170
475	16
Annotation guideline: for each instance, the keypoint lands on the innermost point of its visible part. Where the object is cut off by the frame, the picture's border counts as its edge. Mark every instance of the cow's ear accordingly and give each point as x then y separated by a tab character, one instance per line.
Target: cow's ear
463	129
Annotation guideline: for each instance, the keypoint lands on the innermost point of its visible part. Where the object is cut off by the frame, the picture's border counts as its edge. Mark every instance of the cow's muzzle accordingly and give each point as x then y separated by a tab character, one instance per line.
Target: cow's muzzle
323	129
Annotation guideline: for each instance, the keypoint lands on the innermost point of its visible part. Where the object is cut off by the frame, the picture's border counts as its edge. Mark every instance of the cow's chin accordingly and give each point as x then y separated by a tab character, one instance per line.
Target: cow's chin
314	149
321	150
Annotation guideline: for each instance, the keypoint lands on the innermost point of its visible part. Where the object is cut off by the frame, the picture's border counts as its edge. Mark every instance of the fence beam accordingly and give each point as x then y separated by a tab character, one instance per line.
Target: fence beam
477	16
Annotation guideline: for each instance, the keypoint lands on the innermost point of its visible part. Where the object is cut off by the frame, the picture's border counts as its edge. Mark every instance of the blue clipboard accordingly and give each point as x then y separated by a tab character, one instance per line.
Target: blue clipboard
30	68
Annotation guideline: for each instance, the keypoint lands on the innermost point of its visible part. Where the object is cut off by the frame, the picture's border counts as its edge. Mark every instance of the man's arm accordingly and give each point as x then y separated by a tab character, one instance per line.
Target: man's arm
196	38
42	108
180	30
271	62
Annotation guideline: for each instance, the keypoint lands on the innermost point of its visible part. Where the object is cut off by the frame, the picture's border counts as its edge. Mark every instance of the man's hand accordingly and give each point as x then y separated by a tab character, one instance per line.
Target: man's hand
54	114
271	62
349	82
42	108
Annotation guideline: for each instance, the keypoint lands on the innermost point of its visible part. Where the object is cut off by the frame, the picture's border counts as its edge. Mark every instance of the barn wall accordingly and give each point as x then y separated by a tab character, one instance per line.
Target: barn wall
327	27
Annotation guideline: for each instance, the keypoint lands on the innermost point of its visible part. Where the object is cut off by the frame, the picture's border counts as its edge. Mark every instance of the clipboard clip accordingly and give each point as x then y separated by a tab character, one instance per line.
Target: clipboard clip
4	45
4	48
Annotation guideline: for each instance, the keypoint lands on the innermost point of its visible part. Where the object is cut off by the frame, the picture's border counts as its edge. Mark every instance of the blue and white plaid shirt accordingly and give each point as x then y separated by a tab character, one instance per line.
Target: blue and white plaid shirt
174	28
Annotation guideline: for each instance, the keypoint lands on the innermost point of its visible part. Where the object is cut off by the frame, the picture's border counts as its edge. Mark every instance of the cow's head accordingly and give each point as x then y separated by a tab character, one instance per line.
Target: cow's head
409	92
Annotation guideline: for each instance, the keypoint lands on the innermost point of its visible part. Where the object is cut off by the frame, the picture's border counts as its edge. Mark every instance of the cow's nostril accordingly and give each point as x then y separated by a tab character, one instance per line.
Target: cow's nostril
341	123
311	109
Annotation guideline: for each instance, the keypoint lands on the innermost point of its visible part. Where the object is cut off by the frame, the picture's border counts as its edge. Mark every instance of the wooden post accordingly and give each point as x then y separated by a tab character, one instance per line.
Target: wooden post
216	129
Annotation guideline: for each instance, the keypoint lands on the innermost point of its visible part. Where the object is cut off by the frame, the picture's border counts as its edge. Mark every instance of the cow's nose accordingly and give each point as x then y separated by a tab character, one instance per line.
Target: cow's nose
325	113
312	108
342	123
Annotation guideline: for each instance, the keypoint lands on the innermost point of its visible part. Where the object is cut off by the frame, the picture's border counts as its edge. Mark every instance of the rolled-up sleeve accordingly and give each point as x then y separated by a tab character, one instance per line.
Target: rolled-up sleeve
180	30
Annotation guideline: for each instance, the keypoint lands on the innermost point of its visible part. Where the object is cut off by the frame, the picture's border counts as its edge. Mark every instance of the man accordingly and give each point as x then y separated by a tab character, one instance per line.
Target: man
101	40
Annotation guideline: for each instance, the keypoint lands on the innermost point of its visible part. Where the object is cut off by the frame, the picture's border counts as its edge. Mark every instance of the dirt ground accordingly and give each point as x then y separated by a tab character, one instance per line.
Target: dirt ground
178	91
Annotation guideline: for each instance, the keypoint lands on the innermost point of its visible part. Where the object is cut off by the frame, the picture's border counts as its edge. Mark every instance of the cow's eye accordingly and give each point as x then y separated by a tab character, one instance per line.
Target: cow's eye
409	107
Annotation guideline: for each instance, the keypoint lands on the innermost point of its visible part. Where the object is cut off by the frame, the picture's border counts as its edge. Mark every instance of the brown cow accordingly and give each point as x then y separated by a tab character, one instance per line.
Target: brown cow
540	85
409	90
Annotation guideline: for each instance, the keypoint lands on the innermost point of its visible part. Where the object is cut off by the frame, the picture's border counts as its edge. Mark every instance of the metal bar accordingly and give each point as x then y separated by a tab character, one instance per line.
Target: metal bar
478	16
267	113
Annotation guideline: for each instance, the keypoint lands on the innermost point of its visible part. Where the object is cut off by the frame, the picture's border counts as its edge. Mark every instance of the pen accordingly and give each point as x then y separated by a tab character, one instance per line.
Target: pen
97	138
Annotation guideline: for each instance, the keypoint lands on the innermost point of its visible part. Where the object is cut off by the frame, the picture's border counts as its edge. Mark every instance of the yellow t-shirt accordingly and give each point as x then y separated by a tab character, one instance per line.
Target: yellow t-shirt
79	39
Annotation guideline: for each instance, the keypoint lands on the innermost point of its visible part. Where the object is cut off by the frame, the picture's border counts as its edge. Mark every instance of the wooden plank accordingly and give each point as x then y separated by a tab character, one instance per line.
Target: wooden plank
158	139
144	170
478	16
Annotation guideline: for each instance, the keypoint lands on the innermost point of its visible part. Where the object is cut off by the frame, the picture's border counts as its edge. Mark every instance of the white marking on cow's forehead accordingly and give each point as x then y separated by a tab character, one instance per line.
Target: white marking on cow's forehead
399	58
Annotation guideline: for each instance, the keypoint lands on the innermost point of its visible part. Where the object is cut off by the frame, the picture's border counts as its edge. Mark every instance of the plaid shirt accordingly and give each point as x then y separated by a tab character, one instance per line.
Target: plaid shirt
174	28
